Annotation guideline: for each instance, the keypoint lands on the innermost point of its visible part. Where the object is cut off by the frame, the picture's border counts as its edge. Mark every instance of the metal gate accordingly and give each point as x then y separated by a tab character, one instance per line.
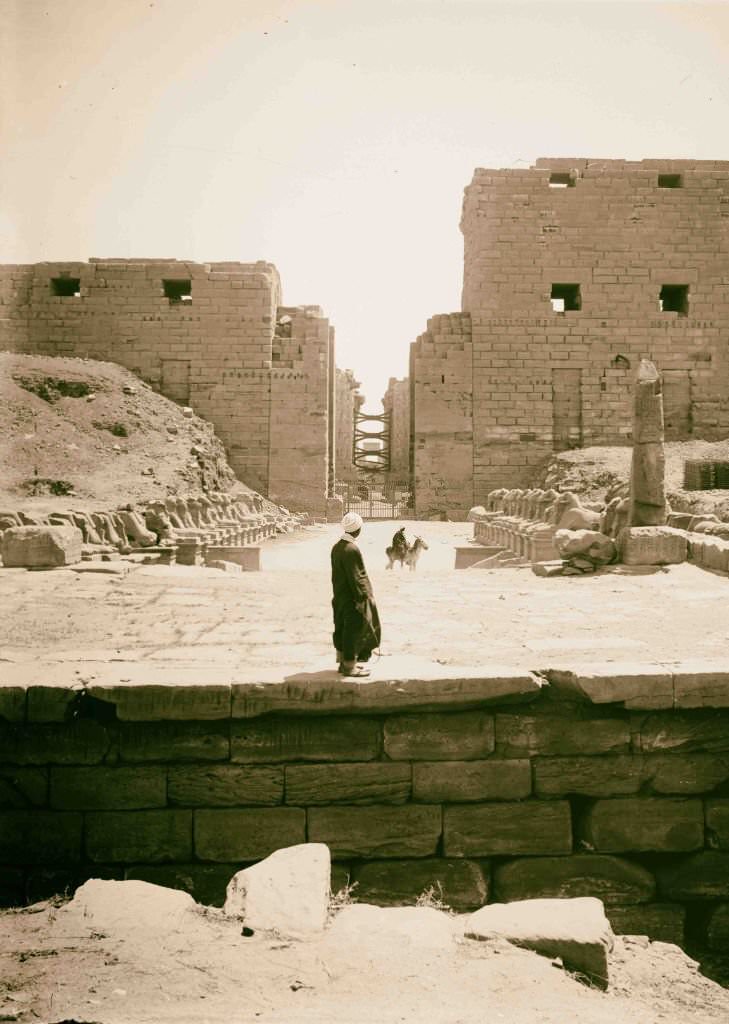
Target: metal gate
377	498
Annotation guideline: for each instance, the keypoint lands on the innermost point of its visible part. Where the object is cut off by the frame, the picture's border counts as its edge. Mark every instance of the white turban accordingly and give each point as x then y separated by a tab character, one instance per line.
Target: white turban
352	522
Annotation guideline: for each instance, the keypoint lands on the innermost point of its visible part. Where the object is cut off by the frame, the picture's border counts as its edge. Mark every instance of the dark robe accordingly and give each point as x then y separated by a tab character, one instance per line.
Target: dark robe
356	621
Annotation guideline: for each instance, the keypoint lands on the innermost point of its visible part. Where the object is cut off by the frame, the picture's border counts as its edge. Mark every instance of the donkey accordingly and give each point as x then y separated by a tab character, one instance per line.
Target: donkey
414	552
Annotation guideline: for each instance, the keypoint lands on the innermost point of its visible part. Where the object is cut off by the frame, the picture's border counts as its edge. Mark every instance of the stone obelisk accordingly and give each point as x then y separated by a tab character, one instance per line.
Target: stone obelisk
647	472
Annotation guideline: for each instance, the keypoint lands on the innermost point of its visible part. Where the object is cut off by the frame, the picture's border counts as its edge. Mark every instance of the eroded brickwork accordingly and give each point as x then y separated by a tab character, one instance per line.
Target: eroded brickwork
441	399
203	334
396	402
574	270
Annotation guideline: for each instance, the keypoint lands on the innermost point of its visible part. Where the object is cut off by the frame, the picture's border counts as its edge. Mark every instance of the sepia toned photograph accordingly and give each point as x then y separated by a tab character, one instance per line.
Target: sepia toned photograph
364	512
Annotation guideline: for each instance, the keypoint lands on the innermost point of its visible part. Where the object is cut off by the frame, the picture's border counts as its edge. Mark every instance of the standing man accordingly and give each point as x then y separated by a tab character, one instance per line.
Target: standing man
356	621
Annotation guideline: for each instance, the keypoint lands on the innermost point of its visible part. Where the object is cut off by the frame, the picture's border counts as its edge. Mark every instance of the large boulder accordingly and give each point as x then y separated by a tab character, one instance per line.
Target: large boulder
597	547
41	546
287	892
574	929
131	908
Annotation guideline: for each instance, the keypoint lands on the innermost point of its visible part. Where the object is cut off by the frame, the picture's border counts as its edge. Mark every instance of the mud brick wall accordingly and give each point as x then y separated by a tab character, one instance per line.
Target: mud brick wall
441	410
300	402
548	380
552	796
213	350
396	402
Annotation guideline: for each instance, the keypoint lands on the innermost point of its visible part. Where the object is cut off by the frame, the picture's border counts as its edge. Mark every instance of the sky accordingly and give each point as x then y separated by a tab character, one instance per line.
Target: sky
333	138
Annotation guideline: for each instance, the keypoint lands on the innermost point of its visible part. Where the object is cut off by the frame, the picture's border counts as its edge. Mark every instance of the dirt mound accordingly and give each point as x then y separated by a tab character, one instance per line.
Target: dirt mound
593	472
94	431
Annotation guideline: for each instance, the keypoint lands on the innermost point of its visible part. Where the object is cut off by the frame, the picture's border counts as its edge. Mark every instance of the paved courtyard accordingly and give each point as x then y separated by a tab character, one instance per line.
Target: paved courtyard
192	623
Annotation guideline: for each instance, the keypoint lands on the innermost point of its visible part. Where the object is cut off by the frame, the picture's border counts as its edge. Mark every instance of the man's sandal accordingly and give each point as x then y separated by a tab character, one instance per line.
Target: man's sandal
357	672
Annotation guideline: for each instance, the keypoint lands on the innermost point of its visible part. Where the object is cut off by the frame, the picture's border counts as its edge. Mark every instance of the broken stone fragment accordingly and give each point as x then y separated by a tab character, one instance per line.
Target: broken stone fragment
576	930
287	892
596	547
41	546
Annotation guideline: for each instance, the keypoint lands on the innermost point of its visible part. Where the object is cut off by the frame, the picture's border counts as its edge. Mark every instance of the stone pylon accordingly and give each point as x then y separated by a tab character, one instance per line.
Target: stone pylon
647	472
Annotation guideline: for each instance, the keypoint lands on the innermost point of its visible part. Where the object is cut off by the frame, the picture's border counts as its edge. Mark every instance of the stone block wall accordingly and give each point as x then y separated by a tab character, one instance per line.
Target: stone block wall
441	411
558	794
208	343
396	402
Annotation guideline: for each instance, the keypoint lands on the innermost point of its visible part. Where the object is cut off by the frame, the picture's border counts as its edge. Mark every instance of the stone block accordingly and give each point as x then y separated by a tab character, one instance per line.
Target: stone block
549	568
305	739
717	823
701	685
50	703
246	558
632	685
609	775
248	834
23	786
683	732
661	824
225	785
81	741
174	741
486	830
471	554
661	922
459	736
465	781
652	545
12	703
40	837
610	879
576	930
410	831
367	783
460	884
206	883
150	702
685	774
36	547
107	788
527	736
129	836
702	876
717	929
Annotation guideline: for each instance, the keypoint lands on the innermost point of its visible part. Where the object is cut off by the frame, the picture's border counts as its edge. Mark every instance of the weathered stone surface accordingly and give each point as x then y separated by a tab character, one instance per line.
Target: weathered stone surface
717	929
664	824
12	703
525	736
486	830
596	547
463	781
411	684
574	929
610	775
611	879
305	739
661	922
702	876
549	568
50	703
288	892
128	908
647	471
411	831
247	835
107	788
206	883
41	546
23	786
460	884
225	785
40	837
652	545
76	742
685	773
683	731
130	836
140	702
460	736
701	685
175	741
367	783
717	823
633	685
415	927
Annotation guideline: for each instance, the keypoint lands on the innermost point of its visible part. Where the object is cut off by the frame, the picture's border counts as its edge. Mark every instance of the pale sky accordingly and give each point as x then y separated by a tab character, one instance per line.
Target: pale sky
331	137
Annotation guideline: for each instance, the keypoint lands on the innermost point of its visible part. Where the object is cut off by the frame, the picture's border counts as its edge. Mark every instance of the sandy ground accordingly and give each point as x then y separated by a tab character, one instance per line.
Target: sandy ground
57	966
236	626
